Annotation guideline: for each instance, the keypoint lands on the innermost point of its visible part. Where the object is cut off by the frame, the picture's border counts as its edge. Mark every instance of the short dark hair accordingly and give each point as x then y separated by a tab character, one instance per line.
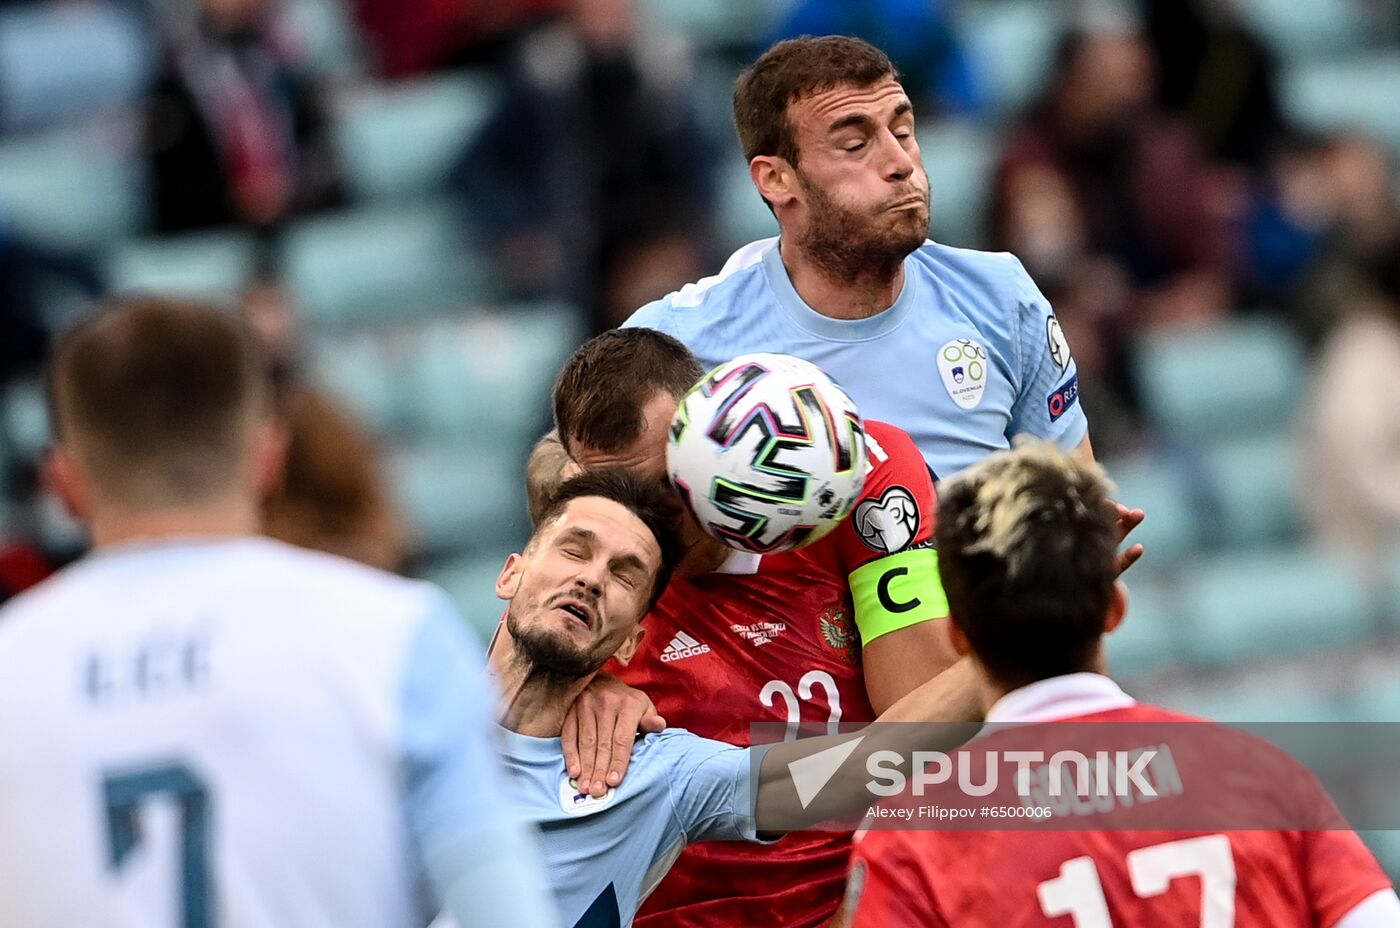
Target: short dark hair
603	388
1027	547
160	398
649	499
793	69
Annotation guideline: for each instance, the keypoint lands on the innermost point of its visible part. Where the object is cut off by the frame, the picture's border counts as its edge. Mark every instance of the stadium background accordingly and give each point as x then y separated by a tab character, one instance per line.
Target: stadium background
440	346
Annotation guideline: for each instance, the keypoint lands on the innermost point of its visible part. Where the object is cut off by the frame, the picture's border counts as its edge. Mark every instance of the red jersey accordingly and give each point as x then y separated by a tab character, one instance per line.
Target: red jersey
1110	879
774	640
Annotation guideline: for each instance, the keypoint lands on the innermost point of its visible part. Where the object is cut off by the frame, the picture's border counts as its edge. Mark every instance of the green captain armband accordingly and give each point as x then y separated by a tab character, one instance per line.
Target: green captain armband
897	591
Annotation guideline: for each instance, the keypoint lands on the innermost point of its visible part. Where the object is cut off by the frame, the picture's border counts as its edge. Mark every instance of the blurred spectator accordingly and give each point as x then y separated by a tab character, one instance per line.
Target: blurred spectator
1110	205
234	129
1218	75
918	35
593	180
1352	444
1290	218
1358	209
27	269
332	497
409	37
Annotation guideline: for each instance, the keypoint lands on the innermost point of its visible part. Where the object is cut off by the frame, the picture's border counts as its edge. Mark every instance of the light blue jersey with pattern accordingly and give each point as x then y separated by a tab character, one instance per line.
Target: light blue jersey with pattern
968	357
603	856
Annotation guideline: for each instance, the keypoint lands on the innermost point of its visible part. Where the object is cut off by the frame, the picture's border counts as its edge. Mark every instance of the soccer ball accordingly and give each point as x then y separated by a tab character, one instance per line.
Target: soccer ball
768	453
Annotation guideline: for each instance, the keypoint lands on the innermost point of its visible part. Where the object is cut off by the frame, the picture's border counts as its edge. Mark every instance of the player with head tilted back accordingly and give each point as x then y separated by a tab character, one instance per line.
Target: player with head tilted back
600	556
1027	542
957	347
204	727
836	631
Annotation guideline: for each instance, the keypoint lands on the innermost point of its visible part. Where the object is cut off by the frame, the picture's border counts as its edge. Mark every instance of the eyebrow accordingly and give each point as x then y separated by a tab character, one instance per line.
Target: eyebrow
578	534
860	119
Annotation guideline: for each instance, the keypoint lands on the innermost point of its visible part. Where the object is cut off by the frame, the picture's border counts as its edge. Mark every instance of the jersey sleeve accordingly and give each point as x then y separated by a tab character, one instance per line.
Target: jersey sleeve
886	887
1047	403
655	315
1341	873
885	548
713	790
479	858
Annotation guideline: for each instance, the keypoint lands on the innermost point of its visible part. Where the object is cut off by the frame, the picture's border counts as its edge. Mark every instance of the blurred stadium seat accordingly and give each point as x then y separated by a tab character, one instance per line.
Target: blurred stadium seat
1253	484
383	264
1261	698
72	189
1273	602
401	139
1355	93
1150	637
208	265
359	371
461	496
717	24
959	158
1238	377
490	374
471	582
1316	28
1165	490
743	215
457	378
61	62
1011	42
324	29
24	418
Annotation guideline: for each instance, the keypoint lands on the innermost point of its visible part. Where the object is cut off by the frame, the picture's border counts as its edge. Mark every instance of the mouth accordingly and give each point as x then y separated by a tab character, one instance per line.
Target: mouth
576	609
909	203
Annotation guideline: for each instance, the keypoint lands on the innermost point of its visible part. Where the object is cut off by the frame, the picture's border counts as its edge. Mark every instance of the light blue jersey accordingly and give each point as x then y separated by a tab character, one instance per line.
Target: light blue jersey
969	356
238	732
604	856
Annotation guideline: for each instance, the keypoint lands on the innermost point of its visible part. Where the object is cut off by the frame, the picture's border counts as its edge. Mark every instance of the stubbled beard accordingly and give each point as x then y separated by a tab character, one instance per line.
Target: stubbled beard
845	245
549	655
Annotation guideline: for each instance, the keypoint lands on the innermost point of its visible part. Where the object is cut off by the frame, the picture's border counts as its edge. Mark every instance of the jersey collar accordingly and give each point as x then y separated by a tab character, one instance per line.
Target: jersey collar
740	562
846	330
1061	697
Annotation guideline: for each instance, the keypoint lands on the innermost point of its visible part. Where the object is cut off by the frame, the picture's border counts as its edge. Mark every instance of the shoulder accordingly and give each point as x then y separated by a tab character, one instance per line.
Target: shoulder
268	584
679	747
710	295
894	456
329	580
996	277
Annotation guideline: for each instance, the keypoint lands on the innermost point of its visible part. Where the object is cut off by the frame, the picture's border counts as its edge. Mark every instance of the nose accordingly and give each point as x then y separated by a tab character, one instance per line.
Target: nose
590	579
899	162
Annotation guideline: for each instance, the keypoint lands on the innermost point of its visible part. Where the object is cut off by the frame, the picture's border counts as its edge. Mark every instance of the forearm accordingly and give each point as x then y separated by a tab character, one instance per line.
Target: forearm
796	789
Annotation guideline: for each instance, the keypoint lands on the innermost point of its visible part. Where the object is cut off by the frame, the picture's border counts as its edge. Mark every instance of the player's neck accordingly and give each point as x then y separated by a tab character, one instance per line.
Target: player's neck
705	556
533	701
849	293
223	518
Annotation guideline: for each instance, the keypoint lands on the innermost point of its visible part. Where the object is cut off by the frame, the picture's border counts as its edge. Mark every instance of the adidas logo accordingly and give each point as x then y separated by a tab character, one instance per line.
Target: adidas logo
681	647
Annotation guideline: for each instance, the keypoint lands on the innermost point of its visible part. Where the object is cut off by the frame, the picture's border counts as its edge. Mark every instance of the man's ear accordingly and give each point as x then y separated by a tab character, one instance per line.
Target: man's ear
1117	608
774	178
957	638
64	476
509	580
628	649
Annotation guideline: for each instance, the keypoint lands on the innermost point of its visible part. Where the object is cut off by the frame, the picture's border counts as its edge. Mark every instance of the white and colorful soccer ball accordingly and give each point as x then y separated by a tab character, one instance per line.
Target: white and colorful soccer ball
768	453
